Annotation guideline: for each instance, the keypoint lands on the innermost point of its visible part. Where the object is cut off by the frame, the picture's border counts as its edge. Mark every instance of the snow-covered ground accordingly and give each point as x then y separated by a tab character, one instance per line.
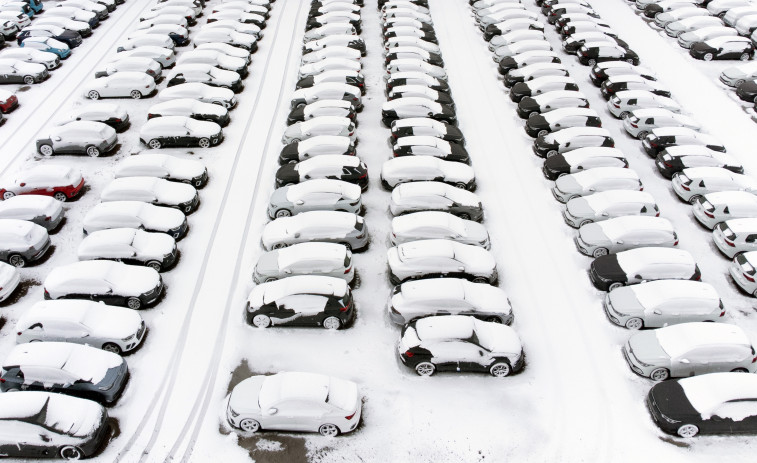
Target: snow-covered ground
575	401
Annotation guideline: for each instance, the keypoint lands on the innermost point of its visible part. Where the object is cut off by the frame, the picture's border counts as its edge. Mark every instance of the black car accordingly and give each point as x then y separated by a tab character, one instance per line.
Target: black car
747	91
653	143
555	13
446	132
572	46
492	30
313	23
541	124
433	58
446	114
356	80
548	145
524	89
345	110
428	36
291	154
544	69
356	44
529	106
674	159
643	264
434	83
740	48
610	87
349	169
71	38
440	97
518	61
456	152
589	56
558	165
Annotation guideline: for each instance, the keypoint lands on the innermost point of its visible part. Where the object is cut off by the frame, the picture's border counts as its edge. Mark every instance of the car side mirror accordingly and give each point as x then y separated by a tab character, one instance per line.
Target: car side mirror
685	361
273	411
604	214
22	184
480	352
45	438
592	189
638	277
56	138
657	312
461	268
288	271
306	134
297	235
299	202
307	176
619	242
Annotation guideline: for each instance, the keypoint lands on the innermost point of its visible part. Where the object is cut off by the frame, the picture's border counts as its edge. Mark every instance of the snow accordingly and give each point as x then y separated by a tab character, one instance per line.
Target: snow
51	358
123	279
311	251
20	233
266	293
103	320
617	227
634	260
160	163
430	219
68	415
323	185
654	294
286	386
678	340
707	392
741	226
407	191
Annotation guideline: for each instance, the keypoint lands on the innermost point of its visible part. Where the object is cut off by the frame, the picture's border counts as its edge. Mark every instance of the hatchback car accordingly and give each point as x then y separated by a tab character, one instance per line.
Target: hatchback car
736	75
60	182
164	166
126	84
609	204
590	54
440	258
416	78
621	104
136	214
582	159
623	233
22	242
133	64
426	168
188	107
570	139
315	146
642	264
69	37
713	208
641	121
420	145
735	47
130	246
206	74
660	138
622	82
542	85
147	40
41	210
78	137
315	195
164	56
152	190
687	39
735	236
172	131
324	125
201	92
604	70
435	196
327	91
561	119
691	184
327	226
550	101
401	108
325	259
425	126
106	113
676	158
334	108
437	225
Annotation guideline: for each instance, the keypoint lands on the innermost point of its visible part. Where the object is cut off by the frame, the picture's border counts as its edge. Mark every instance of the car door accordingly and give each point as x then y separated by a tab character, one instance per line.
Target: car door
23	439
474	358
101	291
283	415
446	355
287	308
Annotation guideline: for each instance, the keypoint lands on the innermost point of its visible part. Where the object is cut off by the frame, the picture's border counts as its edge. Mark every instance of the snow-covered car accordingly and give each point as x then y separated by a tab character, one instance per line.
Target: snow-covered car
306	401
32	422
206	74
59	181
622	82
514	37
315	195
664	137
608	204
321	19
661	303
240	17
425	126
415	65
329	166
339	76
166	166
434	258
130	246
641	121
106	113
329	29
687	39
304	300
347	40
530	58
413	52
678	14
70	38
623	233
10	278
742	270
425	168
324	125
18	18
136	214
66	368
147	40
114	283
113	329
327	226
416	78
249	7
201	92
154	191
189	107
541	85
178	34
507	51
334	108
405	91
462	344
164	56
127	84
573	42
97	8
691	23
624	102
723	47
582	159
603	71
171	131
170	10
437	225
689	349
325	259
16	71
78	137
691	184
734	76
316	146
674	159
336	51
247	42
402	108
550	101
642	264
435	196
713	208
174	19
47	44
328	64
72	12
226	49
561	119
595	180
327	91
31	55
215	58
44	211
735	236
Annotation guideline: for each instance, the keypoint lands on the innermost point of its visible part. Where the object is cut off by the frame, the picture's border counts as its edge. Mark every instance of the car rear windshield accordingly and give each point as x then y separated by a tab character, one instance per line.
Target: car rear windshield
745	265
727	232
706	205
684	179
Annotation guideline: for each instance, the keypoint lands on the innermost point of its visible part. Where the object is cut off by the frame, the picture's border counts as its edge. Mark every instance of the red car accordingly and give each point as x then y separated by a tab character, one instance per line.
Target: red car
60	182
8	101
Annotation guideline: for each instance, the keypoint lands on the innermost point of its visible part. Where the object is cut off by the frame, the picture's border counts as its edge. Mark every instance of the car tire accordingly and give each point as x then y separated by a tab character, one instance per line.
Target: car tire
687	430
584	222
634	323
480	280
46	150
135	94
60	196
630	61
154	144
425	369
111	347
461	185
494	319
642	134
28	80
93	151
744	57
551	153
279	246
542	132
282	213
533	114
500	370
249	425
261	321
155	265
328	430
624	114
614	285
134	303
739	82
600	252
93	95
659	374
708	57
8	195
203	142
332	323
17	260
592	62
754	293
694	198
739	370
70	452
464	216
270	279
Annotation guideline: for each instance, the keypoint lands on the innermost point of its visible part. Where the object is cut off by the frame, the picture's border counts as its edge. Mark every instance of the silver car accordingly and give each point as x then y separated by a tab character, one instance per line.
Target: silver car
422	168
623	233
595	180
130	246
327	226
608	204
326	259
687	39
663	302
713	208
737	75
435	196
440	258
435	224
324	125
689	349
315	195
22	242
45	211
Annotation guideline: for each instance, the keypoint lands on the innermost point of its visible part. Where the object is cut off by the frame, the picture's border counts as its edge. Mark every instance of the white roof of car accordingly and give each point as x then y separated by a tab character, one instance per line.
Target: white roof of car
718	41
265	293
581	154
445	248
323	185
745	225
95	315
85	362
708	172
493	336
707	392
564	135
418	122
652	294
481	295
617	227
310	387
327	160
730	198
320	120
65	414
409	222
435	189
601	200
336	140
630	261
679	339
29	202
410	101
313	250
591	175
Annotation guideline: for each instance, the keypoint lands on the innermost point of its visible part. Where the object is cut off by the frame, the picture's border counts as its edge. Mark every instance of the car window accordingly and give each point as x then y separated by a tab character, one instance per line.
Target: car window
307	304
737	410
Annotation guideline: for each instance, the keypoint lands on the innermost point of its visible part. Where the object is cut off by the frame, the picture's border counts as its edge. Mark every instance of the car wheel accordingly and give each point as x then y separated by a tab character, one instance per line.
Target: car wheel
69	452
204	143
60	196
8	195
464	216
249	425
135	94
744	57
642	134
600	252
615	285
739	370
332	323
754	293
279	246
93	151
17	260
328	430
634	323
542	132
134	303
660	374
693	199
348	246
155	265
592	62
480	280
425	369
283	213
500	370
461	185
687	430
110	347
551	153
28	80
707	57
270	279
154	144
624	114
93	95
261	321
584	222
493	319
533	114
739	82
630	61
46	150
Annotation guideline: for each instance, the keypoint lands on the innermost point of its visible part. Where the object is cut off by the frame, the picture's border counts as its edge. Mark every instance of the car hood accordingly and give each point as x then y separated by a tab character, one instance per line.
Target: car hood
556	163
567	184
268	263
162	218
115	322
624	301
608	268
579	207
244	397
592	234
137	281
647	349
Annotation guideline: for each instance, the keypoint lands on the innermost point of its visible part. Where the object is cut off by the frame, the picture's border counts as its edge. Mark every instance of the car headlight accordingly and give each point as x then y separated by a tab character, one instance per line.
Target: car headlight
233	413
128	337
669	419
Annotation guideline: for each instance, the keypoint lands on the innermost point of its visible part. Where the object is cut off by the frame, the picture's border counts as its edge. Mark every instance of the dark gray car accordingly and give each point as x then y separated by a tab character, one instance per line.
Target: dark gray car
22	242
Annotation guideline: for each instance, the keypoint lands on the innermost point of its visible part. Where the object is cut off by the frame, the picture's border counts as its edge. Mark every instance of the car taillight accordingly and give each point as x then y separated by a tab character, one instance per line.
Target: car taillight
48	218
351	416
653	144
347	270
147	86
729	242
20	333
346	307
361	85
667	164
685	187
2	380
754	360
634	125
364	175
409	354
616	105
748	277
709	214
150	115
354	99
394	153
351	133
47	293
676	243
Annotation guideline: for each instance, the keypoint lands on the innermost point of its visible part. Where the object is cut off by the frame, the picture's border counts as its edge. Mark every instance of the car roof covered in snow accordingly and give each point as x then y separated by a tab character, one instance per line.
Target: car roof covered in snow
265	293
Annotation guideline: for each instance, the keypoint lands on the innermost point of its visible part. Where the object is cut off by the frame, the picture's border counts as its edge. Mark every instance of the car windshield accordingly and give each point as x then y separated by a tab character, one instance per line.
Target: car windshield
51	418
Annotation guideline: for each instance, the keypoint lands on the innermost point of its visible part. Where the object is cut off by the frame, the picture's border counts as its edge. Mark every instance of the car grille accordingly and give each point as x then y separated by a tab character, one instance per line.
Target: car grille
141	330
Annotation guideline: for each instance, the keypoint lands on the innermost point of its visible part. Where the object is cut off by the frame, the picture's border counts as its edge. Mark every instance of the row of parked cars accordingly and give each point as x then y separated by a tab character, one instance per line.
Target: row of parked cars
304	277
88	319
650	284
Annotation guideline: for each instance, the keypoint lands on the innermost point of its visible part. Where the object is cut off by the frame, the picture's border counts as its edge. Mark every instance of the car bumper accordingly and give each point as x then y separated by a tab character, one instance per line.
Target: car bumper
740	280
728	251
585	250
8	288
632	365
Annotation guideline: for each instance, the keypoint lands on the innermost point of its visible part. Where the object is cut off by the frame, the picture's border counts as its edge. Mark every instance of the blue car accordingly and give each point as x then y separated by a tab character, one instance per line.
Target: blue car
47	44
35	5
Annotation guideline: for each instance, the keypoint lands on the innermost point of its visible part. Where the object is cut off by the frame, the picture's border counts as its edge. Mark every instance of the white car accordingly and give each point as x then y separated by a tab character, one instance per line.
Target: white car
78	137
201	92
67	24
338	28
677	14
425	168
164	56
687	39
168	131
18	18
691	184
135	214
453	296
426	225
110	328
226	49
244	23
291	401
735	236
514	37
238	39
641	121
152	190
315	195
623	103
30	55
440	258
517	48
132	64
189	107
608	204
188	13
713	208
134	85
692	23
337	108
107	113
130	246
623	233
325	259
9	280
408	41
337	51
435	196
246	7
44	211
205	73
326	226
583	159
347	39
97	8
743	270
162	165
178	34
595	180
174	19
316	146
324	125
328	64
196	7
735	75
327	91
415	65
147	40
215	58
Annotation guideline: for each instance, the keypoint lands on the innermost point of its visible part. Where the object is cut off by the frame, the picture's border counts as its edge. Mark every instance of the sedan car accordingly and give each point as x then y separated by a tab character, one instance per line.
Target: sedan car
735	47
16	71
201	92
59	181
687	39
570	139
180	131
316	146
304	300
437	225
315	195
226	49
101	280
425	126
462	344
290	401
623	233
178	34
31	55
106	113
327	91
147	40
206	74
440	258
609	204
215	58
164	56
714	208
642	264
542	85
164	166
241	40
426	145
346	39
130	246
561	119
327	226
114	329
78	137
325	259
663	137
333	108
330	166
435	196
127	84
416	107
194	109
582	159
135	214
622	103
154	191
426	168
